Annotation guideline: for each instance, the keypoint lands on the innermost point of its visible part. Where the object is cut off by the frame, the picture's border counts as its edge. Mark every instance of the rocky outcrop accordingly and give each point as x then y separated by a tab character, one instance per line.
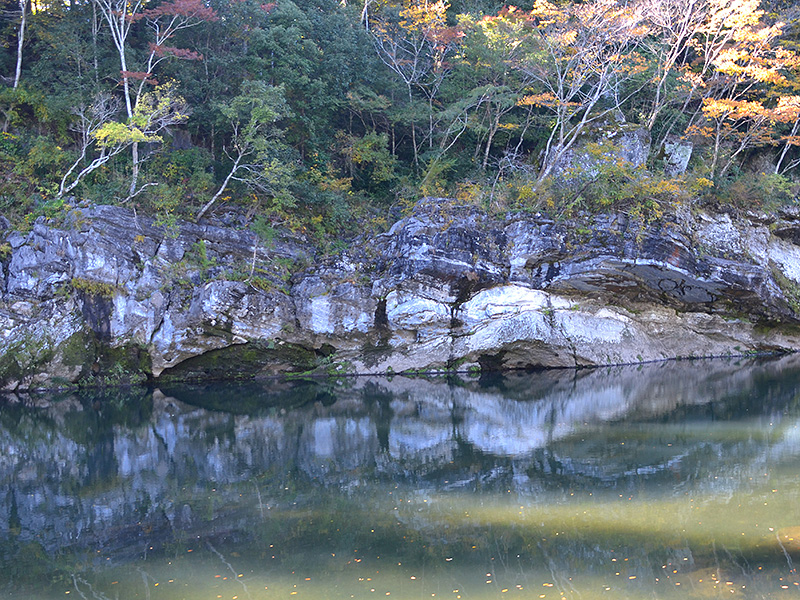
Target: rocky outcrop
675	154
108	296
602	143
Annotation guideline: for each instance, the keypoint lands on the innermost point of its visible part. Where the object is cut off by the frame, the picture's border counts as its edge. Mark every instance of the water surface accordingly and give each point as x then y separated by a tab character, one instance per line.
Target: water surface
673	480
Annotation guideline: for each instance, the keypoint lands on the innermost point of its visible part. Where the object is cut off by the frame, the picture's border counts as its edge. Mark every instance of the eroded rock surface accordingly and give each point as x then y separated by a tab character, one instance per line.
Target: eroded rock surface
110	296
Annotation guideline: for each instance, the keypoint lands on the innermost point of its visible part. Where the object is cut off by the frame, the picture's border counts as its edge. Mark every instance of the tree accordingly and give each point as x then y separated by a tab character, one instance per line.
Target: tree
318	52
788	109
252	116
735	126
492	49
738	113
673	27
164	21
367	159
90	120
154	112
580	59
23	8
119	15
414	42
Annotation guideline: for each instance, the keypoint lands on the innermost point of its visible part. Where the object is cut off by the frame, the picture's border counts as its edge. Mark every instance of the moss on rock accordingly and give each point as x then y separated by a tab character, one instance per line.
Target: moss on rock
24	358
244	361
99	364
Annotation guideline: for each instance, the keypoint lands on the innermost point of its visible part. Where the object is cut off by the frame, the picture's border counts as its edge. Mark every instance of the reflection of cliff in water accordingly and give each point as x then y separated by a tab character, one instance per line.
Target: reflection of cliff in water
84	468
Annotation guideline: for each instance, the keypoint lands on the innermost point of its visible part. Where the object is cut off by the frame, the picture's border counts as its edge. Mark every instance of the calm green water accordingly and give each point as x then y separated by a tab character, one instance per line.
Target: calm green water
676	480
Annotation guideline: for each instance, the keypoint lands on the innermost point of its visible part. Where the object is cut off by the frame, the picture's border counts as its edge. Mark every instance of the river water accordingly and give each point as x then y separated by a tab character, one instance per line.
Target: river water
671	480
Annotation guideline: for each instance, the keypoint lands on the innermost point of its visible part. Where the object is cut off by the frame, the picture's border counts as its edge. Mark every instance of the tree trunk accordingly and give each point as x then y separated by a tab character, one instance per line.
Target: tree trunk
95	33
135	169
125	83
786	147
413	129
221	189
23	5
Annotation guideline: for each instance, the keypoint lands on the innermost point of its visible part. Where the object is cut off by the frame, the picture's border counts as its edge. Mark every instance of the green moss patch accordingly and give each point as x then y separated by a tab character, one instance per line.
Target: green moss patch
245	361
23	358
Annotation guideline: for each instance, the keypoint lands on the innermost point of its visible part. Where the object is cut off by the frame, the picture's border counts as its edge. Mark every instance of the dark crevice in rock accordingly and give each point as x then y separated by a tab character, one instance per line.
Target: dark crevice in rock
463	291
381	321
97	310
491	362
243	361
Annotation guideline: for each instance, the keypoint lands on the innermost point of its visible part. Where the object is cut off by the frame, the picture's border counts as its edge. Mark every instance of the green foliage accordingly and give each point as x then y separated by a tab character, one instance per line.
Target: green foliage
258	277
264	229
764	191
184	177
372	152
318	51
42	163
434	181
199	257
8	145
367	158
165	203
20	107
106	185
607	183
292	113
152	109
277	178
256	156
254	111
29	167
93	287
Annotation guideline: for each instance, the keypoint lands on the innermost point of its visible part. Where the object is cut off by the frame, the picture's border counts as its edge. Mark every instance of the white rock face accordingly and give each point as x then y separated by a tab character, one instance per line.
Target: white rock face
341	309
439	291
721	233
321	320
786	256
407	310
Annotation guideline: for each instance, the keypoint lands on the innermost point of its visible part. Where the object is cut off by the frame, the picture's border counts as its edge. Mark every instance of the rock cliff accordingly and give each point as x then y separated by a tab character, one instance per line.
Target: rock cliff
108	296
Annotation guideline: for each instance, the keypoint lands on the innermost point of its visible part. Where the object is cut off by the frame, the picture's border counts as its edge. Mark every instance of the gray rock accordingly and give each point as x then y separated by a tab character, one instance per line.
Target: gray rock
675	154
613	140
445	288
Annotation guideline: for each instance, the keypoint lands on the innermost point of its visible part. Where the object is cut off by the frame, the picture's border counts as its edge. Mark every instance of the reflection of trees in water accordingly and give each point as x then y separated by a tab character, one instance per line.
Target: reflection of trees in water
130	470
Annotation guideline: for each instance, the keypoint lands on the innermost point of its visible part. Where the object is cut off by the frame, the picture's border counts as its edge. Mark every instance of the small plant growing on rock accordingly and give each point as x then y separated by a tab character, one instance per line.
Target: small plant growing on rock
200	257
92	288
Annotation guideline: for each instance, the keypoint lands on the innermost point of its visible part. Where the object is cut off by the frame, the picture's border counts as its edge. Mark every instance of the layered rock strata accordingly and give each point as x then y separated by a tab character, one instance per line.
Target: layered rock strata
109	296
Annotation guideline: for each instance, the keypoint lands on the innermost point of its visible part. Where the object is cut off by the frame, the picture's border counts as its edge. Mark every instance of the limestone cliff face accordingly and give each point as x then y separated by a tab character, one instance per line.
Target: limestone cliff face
110	296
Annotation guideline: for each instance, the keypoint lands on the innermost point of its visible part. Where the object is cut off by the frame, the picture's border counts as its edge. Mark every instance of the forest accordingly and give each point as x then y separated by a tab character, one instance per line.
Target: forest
328	116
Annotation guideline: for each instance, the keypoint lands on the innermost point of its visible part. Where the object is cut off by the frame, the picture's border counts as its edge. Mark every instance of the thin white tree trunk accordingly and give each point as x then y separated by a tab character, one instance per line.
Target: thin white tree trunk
221	189
786	148
135	169
23	5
